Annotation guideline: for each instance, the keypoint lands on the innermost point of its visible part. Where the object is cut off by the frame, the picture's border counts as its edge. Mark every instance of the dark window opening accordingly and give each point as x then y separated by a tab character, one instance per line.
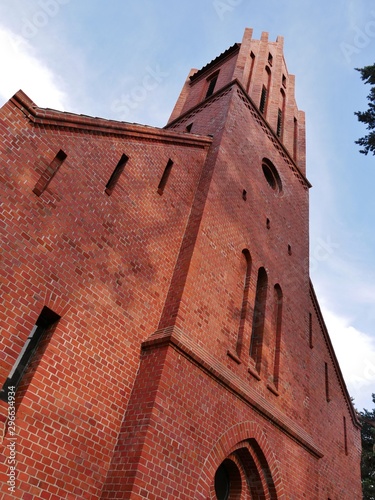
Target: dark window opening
268	223
49	173
283	81
258	318
211	86
44	323
289	250
189	127
263	100
270	58
244	195
227	481
164	178
222	483
116	175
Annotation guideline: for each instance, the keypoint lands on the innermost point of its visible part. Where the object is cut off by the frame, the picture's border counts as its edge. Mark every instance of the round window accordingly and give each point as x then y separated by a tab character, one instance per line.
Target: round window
271	175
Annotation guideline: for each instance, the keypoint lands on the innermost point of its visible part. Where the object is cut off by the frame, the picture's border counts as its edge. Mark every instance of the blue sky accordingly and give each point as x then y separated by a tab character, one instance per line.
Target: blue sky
93	57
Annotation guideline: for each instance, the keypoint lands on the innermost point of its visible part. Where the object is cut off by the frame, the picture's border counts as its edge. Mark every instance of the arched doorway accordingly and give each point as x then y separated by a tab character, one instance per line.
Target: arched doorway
244	475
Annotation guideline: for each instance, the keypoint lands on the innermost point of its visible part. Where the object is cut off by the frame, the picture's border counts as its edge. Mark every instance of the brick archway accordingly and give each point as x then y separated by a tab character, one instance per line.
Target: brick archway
247	445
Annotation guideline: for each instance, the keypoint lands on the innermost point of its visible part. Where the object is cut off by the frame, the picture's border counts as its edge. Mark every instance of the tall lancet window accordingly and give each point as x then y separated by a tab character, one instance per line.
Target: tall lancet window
258	319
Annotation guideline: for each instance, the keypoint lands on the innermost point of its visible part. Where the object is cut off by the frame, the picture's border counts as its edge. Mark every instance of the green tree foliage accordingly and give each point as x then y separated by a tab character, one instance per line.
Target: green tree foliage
367	143
368	452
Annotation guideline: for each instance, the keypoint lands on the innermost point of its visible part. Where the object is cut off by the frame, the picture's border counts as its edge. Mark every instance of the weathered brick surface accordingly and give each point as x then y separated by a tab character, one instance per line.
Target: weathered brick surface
148	382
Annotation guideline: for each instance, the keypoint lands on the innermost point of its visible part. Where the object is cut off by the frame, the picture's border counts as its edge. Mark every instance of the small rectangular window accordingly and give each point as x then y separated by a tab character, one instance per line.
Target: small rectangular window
45	321
49	173
164	177
116	175
211	85
263	100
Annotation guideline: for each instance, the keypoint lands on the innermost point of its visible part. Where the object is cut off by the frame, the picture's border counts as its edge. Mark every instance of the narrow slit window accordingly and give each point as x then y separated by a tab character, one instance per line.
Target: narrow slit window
211	85
252	57
295	139
310	331
283	81
116	174
164	178
244	194
44	323
270	59
245	302
256	343
49	173
326	375
345	437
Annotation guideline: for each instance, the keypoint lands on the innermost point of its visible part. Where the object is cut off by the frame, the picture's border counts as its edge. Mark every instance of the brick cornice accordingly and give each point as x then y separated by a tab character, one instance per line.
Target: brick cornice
179	340
60	119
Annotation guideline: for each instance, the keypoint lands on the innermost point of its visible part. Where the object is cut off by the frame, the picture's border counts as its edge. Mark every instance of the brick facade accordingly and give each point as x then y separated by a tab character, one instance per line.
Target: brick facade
182	349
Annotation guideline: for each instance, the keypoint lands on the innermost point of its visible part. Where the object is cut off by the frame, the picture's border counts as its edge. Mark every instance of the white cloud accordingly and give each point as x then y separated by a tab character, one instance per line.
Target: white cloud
355	351
22	70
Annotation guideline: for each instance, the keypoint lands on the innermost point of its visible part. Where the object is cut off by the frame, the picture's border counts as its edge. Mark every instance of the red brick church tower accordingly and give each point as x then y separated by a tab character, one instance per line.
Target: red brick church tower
161	338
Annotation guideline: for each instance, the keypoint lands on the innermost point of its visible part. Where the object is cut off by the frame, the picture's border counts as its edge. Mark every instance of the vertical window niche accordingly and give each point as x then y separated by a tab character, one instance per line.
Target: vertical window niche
110	186
211	84
164	177
256	343
49	173
326	378
44	324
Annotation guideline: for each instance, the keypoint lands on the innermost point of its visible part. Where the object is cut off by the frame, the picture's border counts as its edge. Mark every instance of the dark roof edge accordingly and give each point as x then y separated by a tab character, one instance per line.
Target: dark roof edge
231	50
333	357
